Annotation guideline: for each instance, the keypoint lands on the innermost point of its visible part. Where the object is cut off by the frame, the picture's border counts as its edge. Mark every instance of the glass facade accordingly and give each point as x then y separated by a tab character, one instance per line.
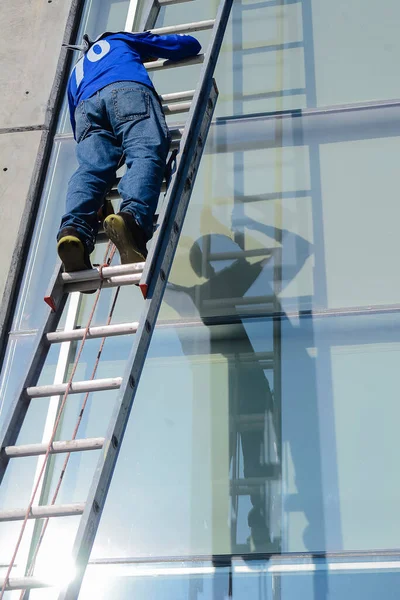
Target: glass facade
260	457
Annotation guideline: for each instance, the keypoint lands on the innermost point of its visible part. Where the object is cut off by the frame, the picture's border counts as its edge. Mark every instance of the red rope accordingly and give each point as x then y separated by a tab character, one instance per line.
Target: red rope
53	435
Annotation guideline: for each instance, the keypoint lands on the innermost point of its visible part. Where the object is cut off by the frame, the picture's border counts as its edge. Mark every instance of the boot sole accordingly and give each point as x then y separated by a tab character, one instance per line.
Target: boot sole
117	231
71	251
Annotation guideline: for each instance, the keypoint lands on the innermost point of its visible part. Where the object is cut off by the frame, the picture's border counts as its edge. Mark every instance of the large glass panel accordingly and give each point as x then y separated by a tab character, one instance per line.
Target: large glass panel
276	421
284	214
355	49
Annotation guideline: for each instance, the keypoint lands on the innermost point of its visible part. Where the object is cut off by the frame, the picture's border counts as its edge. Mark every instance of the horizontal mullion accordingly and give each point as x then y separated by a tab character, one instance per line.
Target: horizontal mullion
42	512
280	114
78	387
56	447
176	133
239	301
185	27
269	4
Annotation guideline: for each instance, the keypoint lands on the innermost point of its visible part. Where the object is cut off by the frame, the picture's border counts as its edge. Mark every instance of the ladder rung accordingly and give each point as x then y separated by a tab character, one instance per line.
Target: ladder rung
56	448
178	96
83	286
25	583
114	194
242	487
168	2
169	64
93	275
185	27
120	275
94	332
95	385
179	107
176	133
256	252
249	422
42	512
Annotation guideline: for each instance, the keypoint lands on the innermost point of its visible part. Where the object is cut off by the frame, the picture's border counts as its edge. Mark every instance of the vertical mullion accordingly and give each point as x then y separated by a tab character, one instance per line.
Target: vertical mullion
324	405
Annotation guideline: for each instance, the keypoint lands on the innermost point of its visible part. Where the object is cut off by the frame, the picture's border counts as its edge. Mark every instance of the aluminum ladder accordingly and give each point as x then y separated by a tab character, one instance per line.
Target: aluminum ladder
150	276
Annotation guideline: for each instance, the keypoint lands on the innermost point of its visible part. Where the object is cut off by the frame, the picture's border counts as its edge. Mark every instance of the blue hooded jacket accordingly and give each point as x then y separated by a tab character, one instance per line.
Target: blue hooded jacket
119	57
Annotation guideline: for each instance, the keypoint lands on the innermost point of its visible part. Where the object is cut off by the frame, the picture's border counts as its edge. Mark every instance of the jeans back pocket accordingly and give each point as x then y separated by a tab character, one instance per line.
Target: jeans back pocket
131	104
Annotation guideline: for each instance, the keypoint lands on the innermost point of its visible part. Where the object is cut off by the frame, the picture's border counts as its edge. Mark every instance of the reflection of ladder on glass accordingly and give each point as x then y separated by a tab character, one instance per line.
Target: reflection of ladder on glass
151	277
268	422
309	91
268	486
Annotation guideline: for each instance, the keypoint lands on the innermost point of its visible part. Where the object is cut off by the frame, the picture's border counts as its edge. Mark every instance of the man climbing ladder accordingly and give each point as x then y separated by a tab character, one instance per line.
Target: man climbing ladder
115	111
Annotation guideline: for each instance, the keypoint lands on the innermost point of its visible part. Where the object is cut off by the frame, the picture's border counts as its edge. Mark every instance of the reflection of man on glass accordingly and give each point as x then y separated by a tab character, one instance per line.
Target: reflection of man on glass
250	397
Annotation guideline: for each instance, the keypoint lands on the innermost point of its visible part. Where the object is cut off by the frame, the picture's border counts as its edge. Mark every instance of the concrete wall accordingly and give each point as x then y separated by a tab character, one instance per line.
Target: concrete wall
18	153
30	43
32	67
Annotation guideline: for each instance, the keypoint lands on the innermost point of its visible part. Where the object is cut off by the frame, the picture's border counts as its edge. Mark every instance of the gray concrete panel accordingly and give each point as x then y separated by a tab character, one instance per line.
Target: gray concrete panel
18	153
30	43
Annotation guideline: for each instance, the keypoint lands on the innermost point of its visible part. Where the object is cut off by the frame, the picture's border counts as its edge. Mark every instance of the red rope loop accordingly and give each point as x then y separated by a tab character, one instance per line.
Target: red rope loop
101	267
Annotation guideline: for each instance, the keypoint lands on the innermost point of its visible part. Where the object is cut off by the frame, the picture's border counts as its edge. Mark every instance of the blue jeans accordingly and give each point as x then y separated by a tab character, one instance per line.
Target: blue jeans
122	119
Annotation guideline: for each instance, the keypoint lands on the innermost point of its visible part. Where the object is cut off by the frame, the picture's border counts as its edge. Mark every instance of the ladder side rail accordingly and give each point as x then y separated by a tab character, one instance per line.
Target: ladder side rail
200	96
150	15
20	405
105	468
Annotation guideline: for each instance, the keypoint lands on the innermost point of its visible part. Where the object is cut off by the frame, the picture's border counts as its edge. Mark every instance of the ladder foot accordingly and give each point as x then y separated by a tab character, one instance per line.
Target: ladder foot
144	288
50	301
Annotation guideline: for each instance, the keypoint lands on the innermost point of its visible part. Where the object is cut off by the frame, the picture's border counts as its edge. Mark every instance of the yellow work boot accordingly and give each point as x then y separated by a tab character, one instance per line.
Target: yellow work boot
128	237
73	252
